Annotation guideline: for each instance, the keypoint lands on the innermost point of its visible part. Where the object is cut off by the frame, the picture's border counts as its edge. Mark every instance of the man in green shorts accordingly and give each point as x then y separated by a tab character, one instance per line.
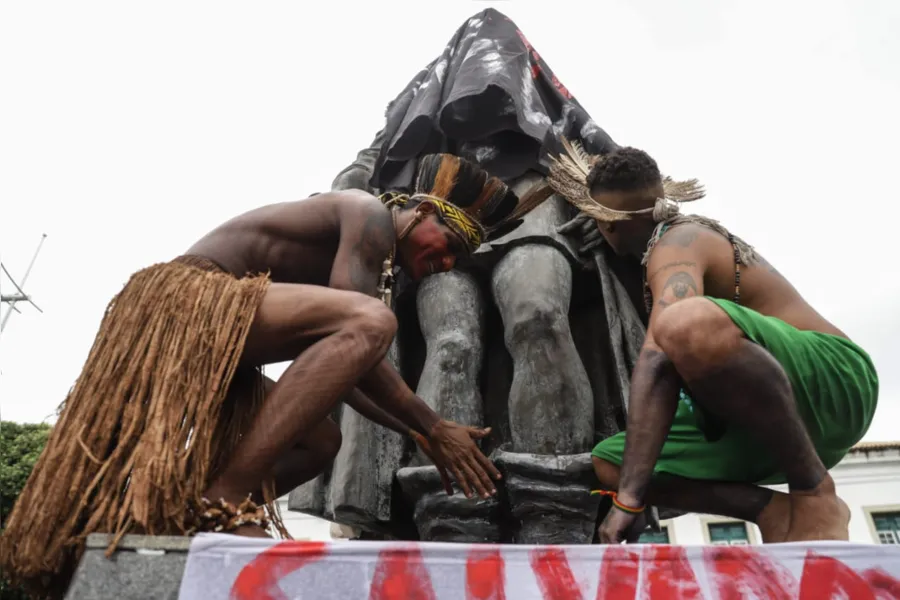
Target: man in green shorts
740	382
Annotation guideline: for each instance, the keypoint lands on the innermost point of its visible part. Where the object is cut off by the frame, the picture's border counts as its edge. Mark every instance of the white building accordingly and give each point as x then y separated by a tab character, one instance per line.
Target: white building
868	479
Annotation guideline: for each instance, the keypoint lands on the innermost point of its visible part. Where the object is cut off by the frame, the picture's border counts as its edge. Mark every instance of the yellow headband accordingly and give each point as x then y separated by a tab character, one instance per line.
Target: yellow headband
456	219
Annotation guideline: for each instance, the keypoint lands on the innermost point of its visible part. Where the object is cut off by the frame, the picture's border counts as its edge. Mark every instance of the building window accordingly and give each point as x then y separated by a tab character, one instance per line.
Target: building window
651	537
887	526
732	533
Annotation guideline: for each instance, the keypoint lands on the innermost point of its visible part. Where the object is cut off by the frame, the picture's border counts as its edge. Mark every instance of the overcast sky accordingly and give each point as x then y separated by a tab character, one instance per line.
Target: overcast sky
129	130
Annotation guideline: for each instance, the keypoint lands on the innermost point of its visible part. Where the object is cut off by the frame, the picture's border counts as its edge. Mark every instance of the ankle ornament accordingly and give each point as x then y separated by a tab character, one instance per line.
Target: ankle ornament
220	516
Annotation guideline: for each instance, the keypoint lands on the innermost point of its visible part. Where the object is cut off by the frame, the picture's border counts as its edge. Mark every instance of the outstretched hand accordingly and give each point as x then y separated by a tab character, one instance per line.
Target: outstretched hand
422	443
452	447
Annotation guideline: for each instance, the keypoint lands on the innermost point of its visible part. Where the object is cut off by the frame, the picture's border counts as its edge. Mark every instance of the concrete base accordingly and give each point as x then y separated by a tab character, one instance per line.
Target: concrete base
142	567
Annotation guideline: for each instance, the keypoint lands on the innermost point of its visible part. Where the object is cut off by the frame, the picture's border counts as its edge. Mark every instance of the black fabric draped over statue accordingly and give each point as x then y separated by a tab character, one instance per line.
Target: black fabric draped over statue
489	97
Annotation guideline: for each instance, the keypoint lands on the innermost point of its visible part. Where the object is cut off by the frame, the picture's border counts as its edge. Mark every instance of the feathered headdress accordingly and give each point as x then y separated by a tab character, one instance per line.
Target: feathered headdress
475	205
568	178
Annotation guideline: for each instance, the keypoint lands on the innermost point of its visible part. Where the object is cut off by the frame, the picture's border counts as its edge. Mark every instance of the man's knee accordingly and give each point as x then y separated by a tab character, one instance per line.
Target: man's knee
537	304
329	440
536	318
695	334
607	473
373	322
456	352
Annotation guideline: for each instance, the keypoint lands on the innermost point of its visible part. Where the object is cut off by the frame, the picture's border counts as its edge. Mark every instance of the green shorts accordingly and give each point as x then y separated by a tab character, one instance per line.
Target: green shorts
835	386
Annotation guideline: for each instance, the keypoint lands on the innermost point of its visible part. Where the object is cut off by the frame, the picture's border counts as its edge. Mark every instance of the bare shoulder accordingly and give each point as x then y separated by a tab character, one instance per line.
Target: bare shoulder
365	223
367	238
684	235
360	213
319	216
351	200
688	247
694	239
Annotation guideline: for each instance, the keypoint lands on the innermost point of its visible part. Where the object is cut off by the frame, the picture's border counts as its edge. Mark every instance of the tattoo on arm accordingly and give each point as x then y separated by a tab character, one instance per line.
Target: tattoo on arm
678	286
373	244
680	263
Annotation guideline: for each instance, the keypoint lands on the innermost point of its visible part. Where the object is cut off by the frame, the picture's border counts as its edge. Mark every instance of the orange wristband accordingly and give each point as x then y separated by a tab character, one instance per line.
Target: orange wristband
615	501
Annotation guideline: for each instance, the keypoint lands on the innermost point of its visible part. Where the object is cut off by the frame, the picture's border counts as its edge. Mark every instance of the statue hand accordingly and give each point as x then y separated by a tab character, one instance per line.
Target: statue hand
574	226
453	447
592	239
585	230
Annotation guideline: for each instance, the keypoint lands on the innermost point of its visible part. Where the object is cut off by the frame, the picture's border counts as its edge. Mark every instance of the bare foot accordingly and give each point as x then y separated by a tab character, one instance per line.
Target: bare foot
819	515
774	521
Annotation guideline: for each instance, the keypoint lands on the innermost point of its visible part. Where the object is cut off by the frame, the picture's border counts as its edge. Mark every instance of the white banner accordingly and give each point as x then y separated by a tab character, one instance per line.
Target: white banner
235	568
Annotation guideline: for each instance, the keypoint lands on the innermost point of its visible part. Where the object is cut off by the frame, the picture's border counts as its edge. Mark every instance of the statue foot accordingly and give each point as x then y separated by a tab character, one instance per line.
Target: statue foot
442	518
549	497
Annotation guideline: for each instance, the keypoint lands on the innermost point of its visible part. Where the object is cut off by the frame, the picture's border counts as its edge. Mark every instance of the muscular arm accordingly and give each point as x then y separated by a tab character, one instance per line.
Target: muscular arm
675	272
367	237
368	409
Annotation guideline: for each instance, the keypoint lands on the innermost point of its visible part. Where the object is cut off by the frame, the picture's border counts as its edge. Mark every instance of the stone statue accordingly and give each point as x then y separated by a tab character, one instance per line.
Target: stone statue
532	336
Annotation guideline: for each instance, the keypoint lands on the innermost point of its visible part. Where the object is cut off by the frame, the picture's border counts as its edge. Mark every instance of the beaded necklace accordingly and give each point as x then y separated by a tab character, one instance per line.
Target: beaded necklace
386	281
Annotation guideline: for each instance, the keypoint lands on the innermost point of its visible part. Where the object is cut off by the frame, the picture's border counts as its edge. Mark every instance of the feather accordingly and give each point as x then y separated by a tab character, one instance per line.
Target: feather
503	228
579	158
683	191
568	175
503	207
533	198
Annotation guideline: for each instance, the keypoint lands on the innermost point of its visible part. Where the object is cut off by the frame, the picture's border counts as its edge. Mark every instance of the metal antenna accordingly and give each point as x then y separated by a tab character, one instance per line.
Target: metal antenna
20	295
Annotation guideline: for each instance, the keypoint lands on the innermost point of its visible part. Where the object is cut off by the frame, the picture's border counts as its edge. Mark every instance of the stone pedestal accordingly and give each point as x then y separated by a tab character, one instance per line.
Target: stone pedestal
549	497
142	567
542	499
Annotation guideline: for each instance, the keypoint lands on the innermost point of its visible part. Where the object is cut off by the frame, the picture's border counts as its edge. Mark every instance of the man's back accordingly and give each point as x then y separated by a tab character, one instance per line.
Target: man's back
295	241
762	287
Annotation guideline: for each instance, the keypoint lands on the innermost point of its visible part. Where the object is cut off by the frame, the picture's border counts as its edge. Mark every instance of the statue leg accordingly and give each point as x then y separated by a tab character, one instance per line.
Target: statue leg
551	402
451	315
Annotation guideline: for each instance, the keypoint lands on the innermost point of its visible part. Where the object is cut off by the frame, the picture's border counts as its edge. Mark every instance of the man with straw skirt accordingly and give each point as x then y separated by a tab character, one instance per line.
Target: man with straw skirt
740	382
171	427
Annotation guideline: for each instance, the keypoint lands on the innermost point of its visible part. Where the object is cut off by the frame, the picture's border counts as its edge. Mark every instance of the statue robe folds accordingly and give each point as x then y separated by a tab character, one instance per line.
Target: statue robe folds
528	336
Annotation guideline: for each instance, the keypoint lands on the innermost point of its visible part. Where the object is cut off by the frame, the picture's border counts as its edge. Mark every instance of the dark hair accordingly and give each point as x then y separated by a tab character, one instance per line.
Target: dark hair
467	186
624	170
